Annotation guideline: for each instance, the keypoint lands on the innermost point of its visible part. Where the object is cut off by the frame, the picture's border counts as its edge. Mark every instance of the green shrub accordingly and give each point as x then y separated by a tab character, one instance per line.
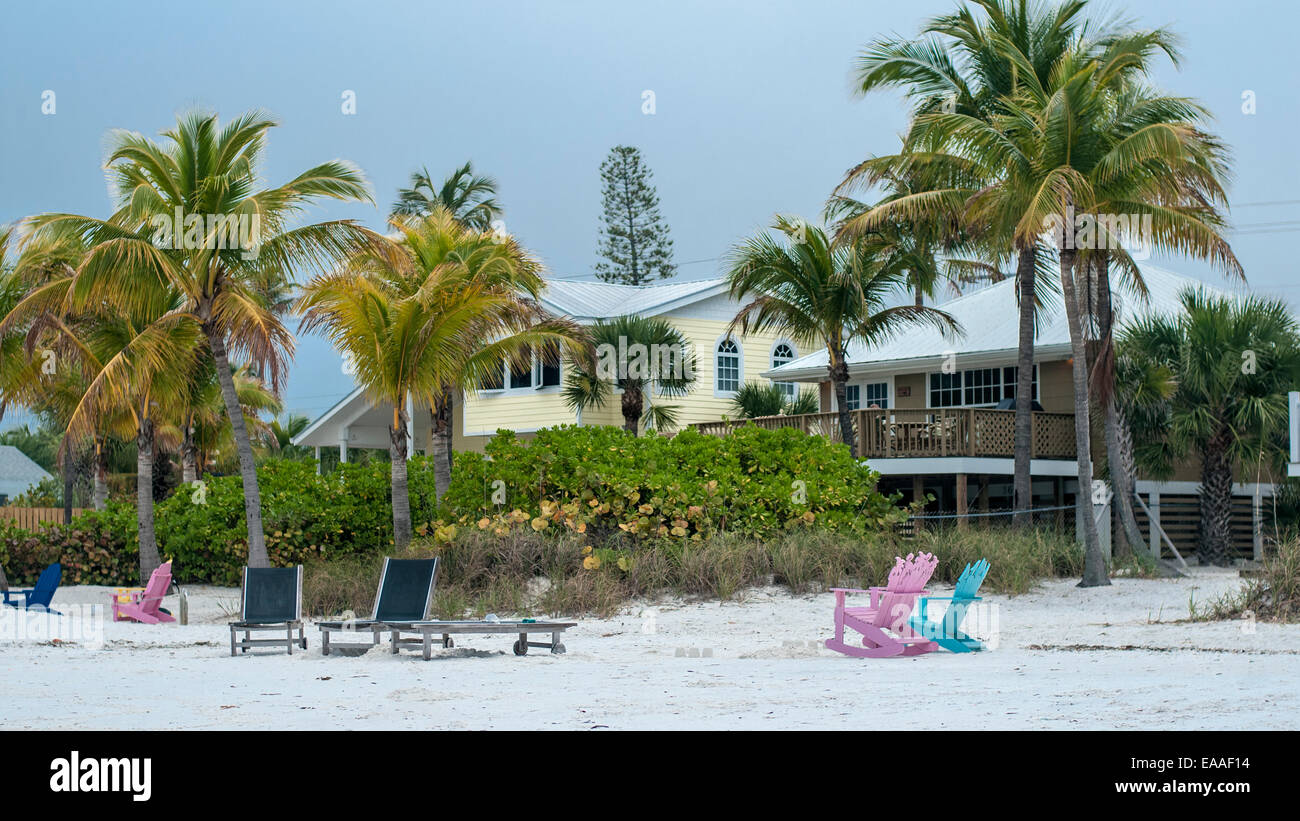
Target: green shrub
91	549
602	481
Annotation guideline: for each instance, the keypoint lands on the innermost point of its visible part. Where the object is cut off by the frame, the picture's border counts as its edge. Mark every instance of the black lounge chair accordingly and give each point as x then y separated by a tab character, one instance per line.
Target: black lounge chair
405	596
271	600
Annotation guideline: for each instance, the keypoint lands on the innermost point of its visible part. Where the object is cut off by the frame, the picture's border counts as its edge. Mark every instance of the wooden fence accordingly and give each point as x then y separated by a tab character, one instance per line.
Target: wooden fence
29	518
927	432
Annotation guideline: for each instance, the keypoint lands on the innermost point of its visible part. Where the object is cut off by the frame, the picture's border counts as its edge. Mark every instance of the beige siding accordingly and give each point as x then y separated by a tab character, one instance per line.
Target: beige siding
481	414
915	383
1056	386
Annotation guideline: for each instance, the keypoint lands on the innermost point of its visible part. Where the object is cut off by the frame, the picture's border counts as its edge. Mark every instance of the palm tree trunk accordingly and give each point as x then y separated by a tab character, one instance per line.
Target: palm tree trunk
443	414
1128	469
144	441
1094	563
69	466
839	373
100	495
401	491
632	408
1119	455
1216	500
257	556
1022	482
189	457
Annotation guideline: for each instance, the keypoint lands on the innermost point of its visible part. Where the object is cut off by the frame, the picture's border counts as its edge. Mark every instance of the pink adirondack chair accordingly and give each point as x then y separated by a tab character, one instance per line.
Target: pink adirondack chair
145	604
883	623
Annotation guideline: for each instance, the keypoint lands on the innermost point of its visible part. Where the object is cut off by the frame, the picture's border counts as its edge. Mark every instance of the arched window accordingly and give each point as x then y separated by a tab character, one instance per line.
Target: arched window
782	353
727	366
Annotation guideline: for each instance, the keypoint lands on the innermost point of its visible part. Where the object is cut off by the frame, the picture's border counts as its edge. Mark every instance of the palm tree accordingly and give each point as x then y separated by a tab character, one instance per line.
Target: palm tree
959	66
199	428
756	399
658	361
818	291
1233	362
294	424
470	198
115	372
234	240
414	315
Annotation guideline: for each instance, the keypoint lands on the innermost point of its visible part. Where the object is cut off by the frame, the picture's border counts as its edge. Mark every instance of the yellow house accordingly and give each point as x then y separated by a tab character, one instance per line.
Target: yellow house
526	399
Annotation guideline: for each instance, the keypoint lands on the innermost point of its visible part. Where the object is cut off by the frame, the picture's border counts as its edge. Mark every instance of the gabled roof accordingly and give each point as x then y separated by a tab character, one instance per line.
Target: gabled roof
602	300
17	472
988	318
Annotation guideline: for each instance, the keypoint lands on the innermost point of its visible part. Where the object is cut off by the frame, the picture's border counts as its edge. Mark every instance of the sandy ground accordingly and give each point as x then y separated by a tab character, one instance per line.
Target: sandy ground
1117	657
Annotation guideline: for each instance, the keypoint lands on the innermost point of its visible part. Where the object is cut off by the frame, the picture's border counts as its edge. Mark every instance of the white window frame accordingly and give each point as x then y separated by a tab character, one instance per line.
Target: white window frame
888	381
962	388
533	388
791	389
740	366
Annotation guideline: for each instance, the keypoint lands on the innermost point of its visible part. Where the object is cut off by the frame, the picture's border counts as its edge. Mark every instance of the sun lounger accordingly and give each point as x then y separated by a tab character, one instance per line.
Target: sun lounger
405	595
271	600
426	631
39	596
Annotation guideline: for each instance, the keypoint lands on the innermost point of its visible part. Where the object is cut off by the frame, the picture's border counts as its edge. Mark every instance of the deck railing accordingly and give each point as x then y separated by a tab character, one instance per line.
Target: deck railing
894	433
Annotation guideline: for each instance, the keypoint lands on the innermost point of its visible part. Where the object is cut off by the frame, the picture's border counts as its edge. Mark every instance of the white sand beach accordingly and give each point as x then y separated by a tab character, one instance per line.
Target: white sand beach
1109	658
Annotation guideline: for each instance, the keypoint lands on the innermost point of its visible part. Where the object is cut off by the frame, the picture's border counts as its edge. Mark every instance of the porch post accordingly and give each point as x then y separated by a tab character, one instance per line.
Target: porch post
1153	502
918	493
343	447
1257	523
961	501
318	460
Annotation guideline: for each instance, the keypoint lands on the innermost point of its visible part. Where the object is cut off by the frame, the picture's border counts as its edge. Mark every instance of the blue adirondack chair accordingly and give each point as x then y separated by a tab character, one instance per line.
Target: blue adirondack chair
38	598
947	633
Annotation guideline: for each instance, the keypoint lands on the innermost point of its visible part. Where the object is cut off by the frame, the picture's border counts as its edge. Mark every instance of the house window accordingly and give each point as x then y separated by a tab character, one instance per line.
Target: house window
493	380
531	370
877	395
521	371
979	387
728	366
872	394
548	366
781	354
945	390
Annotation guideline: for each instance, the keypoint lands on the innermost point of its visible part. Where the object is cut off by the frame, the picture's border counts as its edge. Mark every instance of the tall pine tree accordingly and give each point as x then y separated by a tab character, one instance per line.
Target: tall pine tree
633	236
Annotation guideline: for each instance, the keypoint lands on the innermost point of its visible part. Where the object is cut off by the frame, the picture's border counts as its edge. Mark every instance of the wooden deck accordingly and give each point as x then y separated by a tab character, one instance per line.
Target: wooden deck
887	434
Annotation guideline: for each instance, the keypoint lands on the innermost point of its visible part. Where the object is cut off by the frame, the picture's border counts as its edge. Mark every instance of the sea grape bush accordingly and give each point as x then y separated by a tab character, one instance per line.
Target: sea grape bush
606	482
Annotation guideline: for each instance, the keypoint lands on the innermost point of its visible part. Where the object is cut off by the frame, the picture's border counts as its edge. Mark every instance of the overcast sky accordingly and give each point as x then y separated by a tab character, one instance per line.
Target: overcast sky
753	109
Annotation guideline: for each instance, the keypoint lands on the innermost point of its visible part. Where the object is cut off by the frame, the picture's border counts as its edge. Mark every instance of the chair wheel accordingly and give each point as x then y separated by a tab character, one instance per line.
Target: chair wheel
448	643
304	644
521	649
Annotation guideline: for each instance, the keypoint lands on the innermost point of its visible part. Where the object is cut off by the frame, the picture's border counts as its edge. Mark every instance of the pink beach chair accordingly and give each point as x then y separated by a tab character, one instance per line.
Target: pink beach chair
883	623
146	605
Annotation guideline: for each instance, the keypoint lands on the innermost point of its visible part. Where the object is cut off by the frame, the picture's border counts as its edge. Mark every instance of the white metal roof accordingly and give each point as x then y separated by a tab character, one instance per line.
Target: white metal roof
18	472
989	320
602	300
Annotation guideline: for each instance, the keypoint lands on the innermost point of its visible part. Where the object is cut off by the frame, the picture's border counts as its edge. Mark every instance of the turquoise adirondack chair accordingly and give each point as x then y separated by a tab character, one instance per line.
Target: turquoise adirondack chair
947	632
